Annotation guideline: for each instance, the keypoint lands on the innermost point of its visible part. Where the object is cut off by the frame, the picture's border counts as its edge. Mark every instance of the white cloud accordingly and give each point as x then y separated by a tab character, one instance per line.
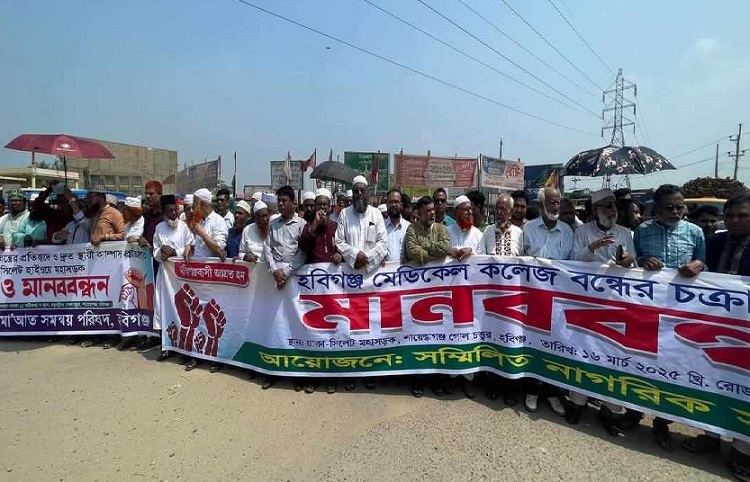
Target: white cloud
705	49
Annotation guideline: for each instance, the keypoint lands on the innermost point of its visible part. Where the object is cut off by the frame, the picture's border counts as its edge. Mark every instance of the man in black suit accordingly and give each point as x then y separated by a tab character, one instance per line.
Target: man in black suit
729	252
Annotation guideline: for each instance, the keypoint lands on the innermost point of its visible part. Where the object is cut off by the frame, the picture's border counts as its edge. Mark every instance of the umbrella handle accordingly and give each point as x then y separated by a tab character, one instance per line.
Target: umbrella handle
65	168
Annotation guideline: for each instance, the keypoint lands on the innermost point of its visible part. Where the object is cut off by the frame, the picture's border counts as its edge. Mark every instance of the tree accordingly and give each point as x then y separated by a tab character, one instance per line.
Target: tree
42	165
710	187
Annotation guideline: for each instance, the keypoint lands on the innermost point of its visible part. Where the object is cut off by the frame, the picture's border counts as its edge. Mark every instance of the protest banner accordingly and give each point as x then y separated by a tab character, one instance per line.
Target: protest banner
434	171
501	174
77	290
192	178
249	189
653	341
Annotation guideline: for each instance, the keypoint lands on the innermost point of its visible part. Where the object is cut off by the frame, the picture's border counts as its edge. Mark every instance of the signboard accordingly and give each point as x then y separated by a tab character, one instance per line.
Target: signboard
502	174
436	172
198	176
250	189
535	176
362	162
278	177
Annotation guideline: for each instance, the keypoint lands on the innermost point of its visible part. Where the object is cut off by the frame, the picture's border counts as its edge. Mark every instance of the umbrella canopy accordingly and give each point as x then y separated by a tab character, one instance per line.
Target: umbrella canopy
334	171
616	161
60	145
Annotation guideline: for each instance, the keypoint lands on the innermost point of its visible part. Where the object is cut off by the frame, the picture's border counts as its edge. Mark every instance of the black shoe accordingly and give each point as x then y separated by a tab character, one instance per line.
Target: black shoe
148	343
123	345
349	384
165	355
269	381
191	364
610	422
510	399
331	386
491	392
663	437
215	367
370	384
631	419
573	414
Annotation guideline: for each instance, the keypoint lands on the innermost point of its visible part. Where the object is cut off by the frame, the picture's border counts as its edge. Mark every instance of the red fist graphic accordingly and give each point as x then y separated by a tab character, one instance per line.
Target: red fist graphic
200	342
172	334
215	320
189	310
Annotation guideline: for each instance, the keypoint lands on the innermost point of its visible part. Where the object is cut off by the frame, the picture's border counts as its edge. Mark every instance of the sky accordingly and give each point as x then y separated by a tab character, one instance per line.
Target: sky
211	77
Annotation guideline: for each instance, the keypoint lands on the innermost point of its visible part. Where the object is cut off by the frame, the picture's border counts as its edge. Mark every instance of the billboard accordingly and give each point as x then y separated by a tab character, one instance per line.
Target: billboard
250	189
362	162
536	176
201	175
278	178
502	174
435	172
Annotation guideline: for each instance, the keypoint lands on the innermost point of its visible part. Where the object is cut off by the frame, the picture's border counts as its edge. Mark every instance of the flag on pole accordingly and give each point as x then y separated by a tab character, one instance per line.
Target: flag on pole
234	176
330	156
310	162
553	180
288	167
375	169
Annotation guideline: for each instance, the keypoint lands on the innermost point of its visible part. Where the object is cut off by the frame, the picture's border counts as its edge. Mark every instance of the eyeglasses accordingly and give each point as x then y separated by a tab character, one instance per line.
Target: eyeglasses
674	207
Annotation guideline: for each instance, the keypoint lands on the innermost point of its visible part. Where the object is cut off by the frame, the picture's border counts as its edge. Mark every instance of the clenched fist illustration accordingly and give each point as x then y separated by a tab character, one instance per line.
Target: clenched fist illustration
189	310
200	342
172	334
215	320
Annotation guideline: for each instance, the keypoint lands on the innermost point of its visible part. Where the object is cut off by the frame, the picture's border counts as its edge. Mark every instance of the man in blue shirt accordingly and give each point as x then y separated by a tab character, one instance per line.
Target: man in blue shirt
440	199
668	241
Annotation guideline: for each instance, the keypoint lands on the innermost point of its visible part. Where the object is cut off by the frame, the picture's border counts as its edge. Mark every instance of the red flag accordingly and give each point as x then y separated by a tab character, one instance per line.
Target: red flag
375	169
310	162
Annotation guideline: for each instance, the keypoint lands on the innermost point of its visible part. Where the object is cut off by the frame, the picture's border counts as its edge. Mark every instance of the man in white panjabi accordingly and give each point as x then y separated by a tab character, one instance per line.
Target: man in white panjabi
172	238
504	238
209	227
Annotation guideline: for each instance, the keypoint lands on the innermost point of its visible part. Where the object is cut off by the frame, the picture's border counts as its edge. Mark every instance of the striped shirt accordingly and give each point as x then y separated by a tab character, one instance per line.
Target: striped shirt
674	247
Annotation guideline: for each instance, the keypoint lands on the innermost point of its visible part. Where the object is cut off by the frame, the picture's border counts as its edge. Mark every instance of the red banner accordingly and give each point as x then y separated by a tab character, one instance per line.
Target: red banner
435	171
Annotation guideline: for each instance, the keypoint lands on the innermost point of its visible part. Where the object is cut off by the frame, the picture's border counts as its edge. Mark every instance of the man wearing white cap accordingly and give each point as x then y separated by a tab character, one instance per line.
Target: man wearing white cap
308	206
272	203
254	235
257	196
465	238
209	228
281	249
242	213
187	208
361	237
132	215
383	210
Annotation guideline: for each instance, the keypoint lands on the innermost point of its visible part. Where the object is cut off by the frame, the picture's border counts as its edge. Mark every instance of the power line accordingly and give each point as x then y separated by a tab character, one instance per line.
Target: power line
580	36
410	69
455	49
505	57
550	44
640	119
519	45
699	147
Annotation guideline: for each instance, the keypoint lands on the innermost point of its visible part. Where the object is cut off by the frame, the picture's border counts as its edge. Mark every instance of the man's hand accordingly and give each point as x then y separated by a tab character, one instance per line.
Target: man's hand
96	239
167	251
361	260
279	277
188	252
223	255
626	260
650	263
143	242
691	269
251	258
198	230
602	242
337	258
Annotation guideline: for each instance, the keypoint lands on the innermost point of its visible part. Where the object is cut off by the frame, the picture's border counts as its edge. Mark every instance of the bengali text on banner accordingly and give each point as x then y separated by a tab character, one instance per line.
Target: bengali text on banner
77	289
435	171
654	341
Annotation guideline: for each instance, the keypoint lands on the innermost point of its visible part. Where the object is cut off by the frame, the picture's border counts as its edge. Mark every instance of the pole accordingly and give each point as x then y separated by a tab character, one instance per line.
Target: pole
716	163
737	152
501	148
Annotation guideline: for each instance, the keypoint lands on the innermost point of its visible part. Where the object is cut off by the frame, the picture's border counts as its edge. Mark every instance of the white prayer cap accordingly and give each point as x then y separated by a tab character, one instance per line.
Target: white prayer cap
383	208
268	198
133	202
244	206
188	199
460	200
257	196
258	206
323	192
360	180
308	195
203	194
111	199
349	193
601	195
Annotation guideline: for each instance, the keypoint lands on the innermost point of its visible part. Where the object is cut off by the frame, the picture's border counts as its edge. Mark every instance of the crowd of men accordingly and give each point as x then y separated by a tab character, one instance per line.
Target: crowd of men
275	230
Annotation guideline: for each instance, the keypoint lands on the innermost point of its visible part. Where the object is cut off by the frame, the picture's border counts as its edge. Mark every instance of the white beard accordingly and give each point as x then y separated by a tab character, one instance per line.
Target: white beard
172	223
606	222
550	217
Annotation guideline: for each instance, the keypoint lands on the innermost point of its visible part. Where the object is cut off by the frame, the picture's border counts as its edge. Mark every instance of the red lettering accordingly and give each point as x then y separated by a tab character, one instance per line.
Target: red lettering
640	326
457	298
330	310
8	289
530	309
723	345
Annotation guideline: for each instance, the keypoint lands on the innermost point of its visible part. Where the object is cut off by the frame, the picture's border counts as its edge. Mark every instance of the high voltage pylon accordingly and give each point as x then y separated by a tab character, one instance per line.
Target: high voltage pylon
617	104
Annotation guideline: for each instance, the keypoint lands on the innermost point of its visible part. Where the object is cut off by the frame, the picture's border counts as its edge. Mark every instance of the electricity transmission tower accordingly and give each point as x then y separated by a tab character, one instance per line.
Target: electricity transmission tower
615	105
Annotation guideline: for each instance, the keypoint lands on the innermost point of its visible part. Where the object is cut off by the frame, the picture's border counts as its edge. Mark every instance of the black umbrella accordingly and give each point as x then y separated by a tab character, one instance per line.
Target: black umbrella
334	171
617	161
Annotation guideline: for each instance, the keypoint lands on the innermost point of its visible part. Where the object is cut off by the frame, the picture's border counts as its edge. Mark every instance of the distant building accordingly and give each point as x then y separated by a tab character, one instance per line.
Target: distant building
34	177
131	168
